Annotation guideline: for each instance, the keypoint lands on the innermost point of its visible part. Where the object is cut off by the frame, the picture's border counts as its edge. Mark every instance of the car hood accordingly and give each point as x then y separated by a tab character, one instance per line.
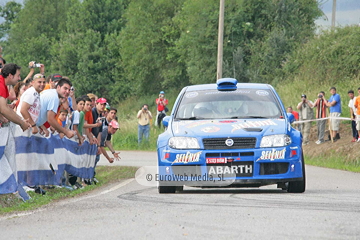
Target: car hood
228	128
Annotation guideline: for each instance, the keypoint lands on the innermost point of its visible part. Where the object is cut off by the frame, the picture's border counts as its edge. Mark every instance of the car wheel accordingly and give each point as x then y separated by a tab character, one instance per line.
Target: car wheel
298	186
166	189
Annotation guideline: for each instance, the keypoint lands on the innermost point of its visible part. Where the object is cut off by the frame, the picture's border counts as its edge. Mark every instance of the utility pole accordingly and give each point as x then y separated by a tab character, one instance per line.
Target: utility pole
333	15
220	40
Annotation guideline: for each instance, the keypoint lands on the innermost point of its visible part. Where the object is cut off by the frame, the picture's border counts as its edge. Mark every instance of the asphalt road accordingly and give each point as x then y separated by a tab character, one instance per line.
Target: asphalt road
329	209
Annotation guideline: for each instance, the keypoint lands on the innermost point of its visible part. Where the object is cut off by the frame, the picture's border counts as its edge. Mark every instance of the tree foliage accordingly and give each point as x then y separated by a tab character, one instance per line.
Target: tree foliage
9	12
118	48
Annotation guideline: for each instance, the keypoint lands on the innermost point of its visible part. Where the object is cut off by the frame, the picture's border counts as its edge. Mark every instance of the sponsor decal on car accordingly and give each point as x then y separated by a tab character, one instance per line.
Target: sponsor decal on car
228	121
235	169
187	157
262	92
251	124
191	94
198	123
272	154
210	129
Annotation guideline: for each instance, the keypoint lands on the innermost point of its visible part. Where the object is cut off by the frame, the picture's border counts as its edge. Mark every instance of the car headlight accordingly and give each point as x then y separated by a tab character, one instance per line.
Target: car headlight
184	143
279	140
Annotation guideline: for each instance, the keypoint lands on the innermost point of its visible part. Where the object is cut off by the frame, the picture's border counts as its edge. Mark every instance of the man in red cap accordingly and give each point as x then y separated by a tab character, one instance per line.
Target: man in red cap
106	134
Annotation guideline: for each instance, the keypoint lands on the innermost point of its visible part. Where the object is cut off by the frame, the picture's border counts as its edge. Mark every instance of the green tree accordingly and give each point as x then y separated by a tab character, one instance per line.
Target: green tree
86	52
35	28
148	58
9	12
258	35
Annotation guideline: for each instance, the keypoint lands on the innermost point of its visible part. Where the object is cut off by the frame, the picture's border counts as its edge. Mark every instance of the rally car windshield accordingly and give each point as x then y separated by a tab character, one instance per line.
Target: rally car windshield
239	104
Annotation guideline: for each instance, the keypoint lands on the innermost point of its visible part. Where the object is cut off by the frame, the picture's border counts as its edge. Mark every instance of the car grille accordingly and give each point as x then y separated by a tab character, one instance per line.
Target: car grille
239	143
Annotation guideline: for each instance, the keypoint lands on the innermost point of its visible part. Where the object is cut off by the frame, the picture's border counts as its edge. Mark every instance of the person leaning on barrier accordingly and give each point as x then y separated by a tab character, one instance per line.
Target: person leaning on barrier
334	103
10	75
353	115
29	104
50	101
320	104
106	134
305	113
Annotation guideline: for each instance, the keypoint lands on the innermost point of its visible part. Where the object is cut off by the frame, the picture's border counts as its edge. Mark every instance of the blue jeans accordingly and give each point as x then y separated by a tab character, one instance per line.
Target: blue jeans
143	130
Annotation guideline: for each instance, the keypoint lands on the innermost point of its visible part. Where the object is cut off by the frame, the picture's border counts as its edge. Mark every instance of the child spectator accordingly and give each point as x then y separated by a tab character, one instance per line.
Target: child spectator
78	119
62	117
88	133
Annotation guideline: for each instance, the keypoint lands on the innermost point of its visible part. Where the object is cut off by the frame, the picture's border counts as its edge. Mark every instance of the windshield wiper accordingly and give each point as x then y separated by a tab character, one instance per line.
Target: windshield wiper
256	117
190	118
244	117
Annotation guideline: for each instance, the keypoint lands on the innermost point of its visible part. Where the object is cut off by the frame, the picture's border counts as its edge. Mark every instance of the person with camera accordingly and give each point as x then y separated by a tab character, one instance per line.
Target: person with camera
144	116
306	113
334	103
161	103
320	105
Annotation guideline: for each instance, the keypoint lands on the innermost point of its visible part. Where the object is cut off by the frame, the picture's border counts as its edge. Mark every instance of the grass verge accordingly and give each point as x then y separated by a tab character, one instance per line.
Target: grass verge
335	162
105	174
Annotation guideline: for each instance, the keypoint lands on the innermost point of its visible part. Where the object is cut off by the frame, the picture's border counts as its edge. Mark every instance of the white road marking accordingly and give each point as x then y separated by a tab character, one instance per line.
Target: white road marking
22	214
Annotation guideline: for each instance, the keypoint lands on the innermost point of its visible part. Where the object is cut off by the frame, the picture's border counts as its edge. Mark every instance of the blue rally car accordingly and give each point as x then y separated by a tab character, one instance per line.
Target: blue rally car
229	134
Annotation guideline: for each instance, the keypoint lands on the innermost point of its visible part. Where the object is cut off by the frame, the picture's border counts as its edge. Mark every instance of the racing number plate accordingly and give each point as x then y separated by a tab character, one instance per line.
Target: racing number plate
240	169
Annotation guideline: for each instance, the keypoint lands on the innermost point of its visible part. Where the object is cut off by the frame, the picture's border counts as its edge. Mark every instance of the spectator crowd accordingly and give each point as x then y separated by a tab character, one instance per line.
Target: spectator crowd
326	110
41	107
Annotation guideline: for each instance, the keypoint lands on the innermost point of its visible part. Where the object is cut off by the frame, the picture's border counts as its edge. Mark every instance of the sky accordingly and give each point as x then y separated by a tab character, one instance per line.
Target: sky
347	12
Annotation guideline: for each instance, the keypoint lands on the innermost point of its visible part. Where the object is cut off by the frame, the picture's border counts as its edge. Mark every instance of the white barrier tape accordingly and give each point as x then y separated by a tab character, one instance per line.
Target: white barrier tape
319	119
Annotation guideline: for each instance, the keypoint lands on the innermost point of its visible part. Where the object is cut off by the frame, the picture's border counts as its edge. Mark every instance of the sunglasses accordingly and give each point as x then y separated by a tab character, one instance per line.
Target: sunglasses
39	76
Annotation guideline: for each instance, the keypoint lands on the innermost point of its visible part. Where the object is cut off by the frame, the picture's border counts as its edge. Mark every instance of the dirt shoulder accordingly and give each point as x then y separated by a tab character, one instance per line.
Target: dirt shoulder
343	147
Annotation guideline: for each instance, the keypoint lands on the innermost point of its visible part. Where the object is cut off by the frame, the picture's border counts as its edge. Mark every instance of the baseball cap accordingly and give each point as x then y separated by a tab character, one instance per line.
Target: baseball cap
107	107
101	100
303	95
114	124
162	92
55	77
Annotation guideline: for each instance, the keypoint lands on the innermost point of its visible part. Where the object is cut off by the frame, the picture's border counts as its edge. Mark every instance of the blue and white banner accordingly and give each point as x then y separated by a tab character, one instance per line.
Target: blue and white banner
8	181
42	161
76	160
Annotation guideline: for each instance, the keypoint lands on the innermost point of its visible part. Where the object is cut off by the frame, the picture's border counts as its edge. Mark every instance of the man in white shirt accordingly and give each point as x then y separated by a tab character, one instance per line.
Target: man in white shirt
29	106
50	101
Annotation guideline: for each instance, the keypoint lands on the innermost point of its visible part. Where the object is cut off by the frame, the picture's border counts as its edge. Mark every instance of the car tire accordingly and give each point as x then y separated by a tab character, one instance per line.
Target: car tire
166	189
298	186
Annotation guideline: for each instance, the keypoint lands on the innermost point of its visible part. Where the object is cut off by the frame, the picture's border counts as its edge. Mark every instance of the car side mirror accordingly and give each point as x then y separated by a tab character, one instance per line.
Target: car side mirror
166	121
291	117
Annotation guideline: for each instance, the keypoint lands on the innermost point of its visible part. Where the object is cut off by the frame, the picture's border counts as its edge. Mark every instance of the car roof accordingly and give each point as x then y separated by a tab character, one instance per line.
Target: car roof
239	86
